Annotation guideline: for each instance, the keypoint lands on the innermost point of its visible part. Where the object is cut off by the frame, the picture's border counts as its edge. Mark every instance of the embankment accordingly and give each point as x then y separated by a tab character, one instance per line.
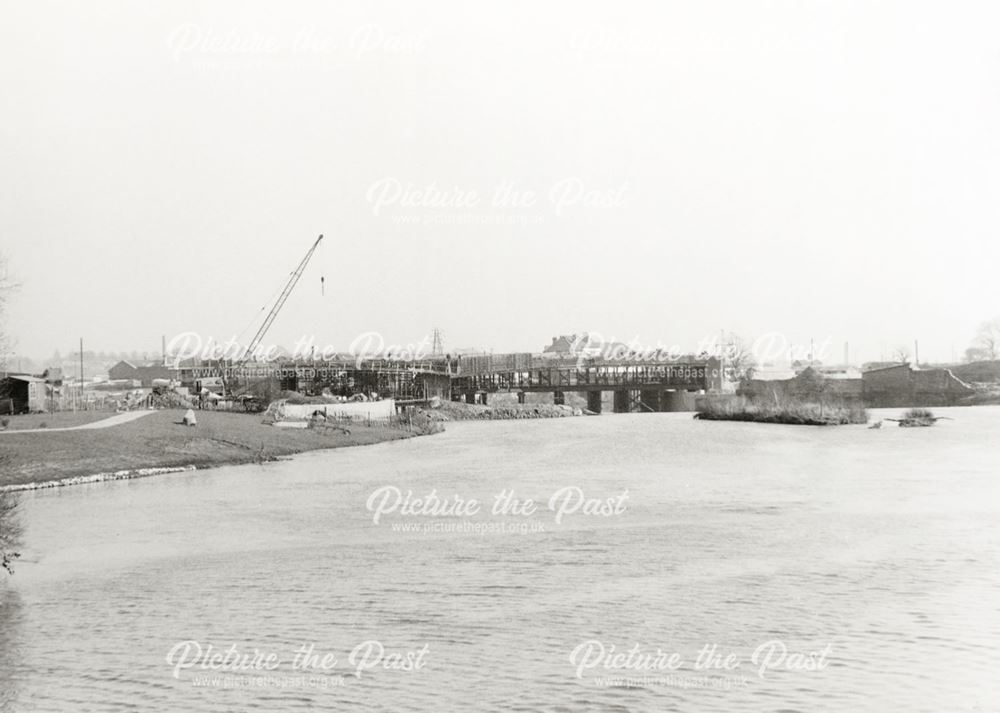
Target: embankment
158	441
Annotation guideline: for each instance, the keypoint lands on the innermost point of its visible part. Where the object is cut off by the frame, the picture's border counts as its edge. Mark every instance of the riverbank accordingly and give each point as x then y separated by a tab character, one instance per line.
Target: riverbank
159	443
791	413
62	419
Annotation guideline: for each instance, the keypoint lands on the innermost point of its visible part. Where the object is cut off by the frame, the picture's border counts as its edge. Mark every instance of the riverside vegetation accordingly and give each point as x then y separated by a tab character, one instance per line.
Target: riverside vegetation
10	530
793	412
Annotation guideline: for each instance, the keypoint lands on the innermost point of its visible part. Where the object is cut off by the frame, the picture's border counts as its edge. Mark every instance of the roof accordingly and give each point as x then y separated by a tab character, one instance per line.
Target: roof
563	343
886	368
25	377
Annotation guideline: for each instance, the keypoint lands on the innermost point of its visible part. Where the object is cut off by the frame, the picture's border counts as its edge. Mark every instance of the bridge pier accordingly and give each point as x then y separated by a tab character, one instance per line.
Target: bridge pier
677	400
594	401
470	398
621	401
649	400
520	397
559	398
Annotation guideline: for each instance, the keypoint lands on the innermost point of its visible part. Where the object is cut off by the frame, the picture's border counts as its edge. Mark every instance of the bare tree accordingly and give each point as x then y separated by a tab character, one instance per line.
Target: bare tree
901	354
6	287
986	345
739	362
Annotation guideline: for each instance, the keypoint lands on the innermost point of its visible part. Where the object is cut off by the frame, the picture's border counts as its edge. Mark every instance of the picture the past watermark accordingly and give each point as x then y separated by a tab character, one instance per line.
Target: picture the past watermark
308	666
635	666
511	512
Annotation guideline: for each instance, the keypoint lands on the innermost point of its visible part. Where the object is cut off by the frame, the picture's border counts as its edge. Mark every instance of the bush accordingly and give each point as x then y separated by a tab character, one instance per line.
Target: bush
4	422
43	424
10	530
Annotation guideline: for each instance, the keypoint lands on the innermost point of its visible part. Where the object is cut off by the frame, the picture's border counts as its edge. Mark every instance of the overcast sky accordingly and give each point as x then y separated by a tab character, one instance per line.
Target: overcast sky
655	171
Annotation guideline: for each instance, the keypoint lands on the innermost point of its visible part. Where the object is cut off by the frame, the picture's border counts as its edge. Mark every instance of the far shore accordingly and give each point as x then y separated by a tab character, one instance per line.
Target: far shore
159	443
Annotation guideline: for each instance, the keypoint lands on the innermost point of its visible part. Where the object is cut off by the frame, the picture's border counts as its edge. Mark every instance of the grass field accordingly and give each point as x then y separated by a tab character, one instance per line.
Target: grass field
61	419
159	440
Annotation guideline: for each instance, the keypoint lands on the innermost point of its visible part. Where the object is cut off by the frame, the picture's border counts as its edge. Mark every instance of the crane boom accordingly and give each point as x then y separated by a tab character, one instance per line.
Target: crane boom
289	286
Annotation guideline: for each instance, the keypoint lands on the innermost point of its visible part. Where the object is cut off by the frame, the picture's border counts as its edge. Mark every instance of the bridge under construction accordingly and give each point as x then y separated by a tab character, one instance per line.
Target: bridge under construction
637	382
649	384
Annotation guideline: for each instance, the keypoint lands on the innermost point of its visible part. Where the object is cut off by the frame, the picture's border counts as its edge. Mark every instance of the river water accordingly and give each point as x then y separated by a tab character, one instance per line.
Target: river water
836	569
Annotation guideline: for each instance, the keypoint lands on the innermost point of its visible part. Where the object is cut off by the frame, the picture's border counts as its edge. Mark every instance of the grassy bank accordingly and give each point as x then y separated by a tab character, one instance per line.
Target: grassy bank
159	441
61	419
796	413
986	394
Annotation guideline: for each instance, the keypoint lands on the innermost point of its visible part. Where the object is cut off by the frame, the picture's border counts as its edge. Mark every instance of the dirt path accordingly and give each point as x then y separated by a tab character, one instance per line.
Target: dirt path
103	423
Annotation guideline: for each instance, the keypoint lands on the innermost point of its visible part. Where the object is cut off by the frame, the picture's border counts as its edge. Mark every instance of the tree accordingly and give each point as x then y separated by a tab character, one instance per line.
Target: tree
986	344
6	287
901	354
738	360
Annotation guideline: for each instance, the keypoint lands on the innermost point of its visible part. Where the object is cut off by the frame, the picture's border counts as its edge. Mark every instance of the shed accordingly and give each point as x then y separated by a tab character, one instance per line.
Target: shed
20	393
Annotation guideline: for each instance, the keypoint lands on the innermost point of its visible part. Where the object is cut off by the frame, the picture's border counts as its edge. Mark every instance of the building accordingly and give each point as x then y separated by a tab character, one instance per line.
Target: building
585	345
899	385
144	374
564	345
20	393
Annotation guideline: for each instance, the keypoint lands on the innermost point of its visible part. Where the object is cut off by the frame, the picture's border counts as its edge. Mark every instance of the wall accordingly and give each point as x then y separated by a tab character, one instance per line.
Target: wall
809	385
902	386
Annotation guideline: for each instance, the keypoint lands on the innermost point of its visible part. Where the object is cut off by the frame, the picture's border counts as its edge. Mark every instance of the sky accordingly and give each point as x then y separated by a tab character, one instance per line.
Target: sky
506	172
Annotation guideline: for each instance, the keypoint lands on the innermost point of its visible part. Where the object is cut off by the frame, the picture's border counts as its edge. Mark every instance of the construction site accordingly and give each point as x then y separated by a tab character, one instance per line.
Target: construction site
250	377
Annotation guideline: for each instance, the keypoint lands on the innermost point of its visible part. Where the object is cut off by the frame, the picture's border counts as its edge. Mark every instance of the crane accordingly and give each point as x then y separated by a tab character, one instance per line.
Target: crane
289	286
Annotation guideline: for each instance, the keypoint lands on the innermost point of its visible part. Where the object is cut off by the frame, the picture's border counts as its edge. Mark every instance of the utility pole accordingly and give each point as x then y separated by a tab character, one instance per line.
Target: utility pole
916	354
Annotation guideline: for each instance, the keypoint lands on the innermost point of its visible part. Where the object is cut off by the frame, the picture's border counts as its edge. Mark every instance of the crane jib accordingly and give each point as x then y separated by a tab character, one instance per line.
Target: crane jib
289	286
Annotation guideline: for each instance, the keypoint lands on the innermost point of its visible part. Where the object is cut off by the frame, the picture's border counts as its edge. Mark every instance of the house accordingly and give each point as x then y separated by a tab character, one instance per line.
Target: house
565	345
20	393
144	374
586	345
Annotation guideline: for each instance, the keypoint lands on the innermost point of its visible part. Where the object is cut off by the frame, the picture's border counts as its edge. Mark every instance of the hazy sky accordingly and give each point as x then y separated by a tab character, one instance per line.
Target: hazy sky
819	169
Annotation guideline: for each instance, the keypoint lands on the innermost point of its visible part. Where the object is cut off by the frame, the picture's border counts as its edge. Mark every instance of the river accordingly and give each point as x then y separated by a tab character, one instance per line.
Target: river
810	568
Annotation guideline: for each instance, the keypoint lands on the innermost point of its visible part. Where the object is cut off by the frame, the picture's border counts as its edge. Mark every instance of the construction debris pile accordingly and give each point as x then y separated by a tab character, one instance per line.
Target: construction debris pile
457	411
169	399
